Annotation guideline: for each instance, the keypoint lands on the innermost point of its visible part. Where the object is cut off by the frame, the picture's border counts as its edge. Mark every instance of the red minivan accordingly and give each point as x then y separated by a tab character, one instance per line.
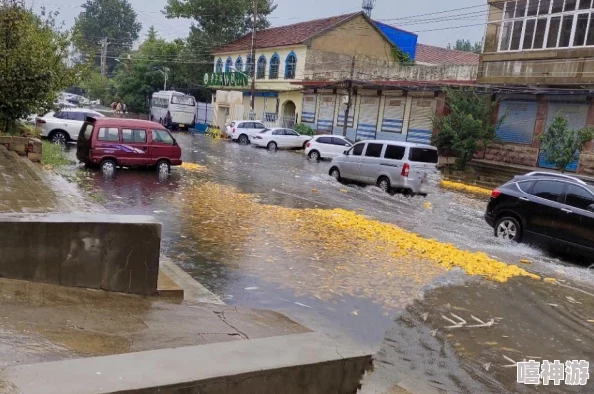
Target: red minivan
111	142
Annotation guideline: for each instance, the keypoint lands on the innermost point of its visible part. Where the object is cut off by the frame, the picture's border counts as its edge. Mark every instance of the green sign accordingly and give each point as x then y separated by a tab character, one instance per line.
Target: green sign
226	79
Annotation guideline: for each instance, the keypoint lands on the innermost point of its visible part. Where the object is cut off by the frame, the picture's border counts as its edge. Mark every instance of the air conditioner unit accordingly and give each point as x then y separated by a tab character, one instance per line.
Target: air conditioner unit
345	99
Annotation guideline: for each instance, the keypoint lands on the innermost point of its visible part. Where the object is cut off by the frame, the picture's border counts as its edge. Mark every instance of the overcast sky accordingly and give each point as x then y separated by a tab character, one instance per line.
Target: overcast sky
401	13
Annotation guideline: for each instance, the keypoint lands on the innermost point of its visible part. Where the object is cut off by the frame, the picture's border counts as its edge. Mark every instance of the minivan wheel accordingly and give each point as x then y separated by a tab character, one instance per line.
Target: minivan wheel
509	229
272	146
335	173
108	167
243	139
59	137
384	184
314	155
163	166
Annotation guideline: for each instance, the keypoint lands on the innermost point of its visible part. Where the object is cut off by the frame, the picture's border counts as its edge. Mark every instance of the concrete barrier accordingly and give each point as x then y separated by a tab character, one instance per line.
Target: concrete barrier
293	364
114	253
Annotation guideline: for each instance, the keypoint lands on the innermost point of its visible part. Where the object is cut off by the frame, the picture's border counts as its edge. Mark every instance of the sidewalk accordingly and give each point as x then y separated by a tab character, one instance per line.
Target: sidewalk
42	322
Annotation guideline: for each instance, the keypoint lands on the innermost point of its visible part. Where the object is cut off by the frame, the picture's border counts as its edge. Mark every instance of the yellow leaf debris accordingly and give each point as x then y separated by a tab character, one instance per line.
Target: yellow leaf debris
462	187
192	167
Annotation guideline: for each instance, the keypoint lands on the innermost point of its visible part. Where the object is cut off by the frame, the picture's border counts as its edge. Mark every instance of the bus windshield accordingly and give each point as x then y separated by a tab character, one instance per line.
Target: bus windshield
183	100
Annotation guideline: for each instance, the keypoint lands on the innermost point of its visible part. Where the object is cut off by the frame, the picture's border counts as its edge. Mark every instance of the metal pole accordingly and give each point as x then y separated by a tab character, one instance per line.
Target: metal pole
165	88
253	55
348	106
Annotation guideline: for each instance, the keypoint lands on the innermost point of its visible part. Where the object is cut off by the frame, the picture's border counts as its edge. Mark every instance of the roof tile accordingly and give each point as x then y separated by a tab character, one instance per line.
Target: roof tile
442	56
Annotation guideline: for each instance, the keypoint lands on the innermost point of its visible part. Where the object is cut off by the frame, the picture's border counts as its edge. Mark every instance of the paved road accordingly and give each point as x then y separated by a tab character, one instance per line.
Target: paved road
272	230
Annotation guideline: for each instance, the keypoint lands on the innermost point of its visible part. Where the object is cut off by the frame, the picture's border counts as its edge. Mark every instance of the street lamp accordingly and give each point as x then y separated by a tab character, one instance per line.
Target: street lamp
164	74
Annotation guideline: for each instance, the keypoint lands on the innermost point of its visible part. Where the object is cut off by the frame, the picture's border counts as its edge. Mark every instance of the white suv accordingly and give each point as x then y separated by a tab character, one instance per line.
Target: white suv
242	130
327	146
64	125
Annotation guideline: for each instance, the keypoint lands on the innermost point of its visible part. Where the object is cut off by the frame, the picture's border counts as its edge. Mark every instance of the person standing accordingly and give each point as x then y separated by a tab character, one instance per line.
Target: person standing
124	108
119	108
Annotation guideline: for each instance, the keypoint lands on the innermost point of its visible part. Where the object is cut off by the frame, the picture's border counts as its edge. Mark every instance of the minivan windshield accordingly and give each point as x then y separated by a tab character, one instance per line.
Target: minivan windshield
423	155
183	100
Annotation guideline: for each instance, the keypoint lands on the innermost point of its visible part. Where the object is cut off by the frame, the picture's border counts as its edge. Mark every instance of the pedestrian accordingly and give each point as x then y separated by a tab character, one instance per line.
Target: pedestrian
124	108
113	106
119	108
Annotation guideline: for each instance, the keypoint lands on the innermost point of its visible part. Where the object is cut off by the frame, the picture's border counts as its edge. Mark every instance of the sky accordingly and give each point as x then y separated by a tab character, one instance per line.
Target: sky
435	29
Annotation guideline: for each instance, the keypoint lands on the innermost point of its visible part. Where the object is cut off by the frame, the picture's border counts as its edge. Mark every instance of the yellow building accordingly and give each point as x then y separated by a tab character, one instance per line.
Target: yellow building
282	56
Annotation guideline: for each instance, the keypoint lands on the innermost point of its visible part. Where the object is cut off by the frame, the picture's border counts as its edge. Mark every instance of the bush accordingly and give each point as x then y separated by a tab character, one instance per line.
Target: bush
304	129
52	155
561	145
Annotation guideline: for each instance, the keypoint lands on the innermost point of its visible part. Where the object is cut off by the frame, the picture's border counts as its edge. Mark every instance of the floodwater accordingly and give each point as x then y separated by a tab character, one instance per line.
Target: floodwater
272	230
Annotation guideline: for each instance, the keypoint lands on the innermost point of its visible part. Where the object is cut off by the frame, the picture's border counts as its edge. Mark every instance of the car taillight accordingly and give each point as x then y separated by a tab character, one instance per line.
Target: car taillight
495	193
234	129
308	144
405	170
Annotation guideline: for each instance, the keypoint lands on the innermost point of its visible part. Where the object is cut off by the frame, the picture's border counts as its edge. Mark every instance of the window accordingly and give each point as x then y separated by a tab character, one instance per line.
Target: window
290	132
578	197
538	24
324	140
291	66
261	73
549	190
340	141
374	150
228	65
134	136
357	149
278	132
257	125
162	137
219	67
394	152
60	115
274	67
108	134
80	116
423	155
183	100
525	186
88	131
249	66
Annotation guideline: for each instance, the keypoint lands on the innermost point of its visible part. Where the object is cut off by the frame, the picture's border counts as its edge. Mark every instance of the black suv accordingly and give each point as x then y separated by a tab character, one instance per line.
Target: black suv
551	207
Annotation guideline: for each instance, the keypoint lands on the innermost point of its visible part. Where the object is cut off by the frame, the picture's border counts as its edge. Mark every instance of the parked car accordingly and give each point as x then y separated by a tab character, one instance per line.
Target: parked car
64	125
278	137
391	165
551	207
111	142
327	146
242	130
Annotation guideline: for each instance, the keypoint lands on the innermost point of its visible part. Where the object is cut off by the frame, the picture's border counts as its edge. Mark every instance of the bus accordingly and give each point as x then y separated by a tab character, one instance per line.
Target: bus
173	110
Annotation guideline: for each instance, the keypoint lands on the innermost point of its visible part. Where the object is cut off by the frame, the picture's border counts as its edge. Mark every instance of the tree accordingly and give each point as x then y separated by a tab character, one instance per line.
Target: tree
560	145
467	128
466	46
111	19
99	87
33	62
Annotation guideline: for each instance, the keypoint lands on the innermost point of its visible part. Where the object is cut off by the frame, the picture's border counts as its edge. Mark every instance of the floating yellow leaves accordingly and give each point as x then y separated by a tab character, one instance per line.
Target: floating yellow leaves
462	187
428	205
525	261
193	167
550	280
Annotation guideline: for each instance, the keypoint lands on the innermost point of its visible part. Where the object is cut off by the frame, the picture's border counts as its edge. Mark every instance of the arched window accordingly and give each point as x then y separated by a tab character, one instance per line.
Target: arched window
228	65
274	67
291	66
261	71
249	66
219	67
239	64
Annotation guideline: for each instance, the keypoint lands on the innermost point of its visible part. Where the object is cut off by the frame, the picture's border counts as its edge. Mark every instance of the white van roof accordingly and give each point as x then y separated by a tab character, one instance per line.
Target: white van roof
401	143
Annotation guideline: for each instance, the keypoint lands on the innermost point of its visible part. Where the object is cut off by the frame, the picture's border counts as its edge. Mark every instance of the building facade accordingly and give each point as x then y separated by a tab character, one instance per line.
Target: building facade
542	53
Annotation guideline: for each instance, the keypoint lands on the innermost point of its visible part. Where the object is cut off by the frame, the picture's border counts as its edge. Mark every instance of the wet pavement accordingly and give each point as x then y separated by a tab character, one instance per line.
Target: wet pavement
273	230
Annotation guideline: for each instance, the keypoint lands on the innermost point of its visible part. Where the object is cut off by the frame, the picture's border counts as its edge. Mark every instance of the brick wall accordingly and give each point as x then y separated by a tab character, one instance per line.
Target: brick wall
513	154
586	166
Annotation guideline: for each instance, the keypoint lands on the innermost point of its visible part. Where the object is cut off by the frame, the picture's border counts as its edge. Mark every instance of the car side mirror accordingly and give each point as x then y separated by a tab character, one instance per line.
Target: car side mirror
591	208
346	152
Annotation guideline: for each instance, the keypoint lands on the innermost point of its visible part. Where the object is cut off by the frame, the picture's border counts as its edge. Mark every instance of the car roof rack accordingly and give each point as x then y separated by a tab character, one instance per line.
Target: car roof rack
554	175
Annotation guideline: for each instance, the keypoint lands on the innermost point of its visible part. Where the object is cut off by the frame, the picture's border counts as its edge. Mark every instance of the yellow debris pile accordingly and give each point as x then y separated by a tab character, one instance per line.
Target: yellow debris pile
462	187
193	167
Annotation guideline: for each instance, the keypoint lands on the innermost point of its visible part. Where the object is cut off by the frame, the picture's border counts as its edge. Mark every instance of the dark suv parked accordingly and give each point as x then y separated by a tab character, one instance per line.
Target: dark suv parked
551	207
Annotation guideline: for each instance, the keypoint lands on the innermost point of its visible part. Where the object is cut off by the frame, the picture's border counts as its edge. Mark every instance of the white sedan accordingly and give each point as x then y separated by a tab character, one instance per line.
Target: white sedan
279	138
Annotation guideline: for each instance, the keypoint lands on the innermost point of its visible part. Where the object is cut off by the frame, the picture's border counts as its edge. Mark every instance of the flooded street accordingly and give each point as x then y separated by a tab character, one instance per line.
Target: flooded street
272	230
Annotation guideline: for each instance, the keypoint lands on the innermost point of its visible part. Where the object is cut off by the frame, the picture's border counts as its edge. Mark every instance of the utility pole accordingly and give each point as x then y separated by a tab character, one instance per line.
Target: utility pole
350	98
253	56
104	44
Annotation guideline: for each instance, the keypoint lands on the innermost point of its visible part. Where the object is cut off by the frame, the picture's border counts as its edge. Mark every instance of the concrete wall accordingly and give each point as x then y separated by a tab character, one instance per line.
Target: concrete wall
326	65
356	36
114	253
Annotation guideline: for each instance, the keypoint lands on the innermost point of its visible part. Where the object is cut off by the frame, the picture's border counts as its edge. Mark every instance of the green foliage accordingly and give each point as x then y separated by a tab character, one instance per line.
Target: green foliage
559	143
114	19
304	129
467	128
467	46
33	63
401	57
99	87
53	155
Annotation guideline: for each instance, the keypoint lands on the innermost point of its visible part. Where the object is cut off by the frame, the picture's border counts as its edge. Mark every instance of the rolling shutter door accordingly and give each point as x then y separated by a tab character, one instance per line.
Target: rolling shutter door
518	125
326	115
309	108
393	114
343	108
368	113
577	117
420	126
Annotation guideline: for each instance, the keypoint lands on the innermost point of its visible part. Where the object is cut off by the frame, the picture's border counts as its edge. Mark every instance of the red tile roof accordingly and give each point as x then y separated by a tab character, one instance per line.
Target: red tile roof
286	35
436	55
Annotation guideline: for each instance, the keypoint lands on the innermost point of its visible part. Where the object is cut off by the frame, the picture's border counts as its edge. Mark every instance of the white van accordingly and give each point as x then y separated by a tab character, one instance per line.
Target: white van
390	165
173	110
